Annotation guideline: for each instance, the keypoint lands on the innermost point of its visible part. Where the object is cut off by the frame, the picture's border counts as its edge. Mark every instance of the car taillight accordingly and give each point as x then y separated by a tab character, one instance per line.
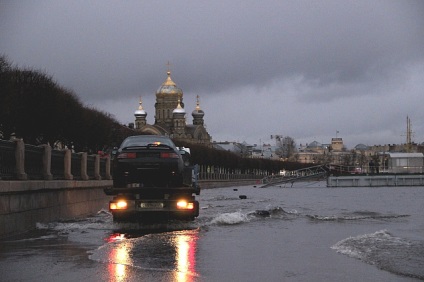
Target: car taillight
119	205
127	156
184	205
169	155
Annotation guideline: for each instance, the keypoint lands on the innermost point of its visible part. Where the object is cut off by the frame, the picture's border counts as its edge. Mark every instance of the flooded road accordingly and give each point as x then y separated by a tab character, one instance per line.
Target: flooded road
303	233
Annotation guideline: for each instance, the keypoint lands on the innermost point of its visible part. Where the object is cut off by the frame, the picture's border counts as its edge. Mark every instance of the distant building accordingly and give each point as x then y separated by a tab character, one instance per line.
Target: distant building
337	144
311	153
317	153
403	162
405	148
242	149
170	116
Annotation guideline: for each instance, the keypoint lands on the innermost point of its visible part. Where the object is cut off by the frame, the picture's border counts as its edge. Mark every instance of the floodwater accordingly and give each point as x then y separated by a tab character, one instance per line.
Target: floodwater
307	232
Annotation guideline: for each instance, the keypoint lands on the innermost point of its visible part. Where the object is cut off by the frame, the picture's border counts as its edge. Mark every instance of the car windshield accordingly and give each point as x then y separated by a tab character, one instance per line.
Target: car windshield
147	140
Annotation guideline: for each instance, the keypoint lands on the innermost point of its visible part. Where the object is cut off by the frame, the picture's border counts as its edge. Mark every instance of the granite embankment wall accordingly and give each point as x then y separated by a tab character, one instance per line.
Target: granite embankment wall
23	204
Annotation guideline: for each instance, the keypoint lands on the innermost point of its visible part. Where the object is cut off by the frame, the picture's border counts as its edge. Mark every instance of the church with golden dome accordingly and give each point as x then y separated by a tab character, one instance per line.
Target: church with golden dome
170	116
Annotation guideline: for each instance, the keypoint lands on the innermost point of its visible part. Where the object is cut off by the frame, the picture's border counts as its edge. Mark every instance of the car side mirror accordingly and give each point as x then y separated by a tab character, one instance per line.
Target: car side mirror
186	157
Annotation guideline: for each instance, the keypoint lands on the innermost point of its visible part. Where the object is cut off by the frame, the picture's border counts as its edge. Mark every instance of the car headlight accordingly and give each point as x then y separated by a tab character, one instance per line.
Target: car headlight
184	205
119	205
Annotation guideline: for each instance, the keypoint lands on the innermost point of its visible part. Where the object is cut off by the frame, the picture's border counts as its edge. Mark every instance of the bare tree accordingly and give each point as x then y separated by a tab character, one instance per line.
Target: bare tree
286	147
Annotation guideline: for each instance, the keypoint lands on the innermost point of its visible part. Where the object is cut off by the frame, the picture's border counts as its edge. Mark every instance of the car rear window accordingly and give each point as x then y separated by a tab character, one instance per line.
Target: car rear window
146	140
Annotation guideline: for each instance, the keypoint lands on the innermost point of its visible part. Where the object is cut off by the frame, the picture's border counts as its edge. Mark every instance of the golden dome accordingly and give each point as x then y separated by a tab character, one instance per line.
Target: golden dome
169	86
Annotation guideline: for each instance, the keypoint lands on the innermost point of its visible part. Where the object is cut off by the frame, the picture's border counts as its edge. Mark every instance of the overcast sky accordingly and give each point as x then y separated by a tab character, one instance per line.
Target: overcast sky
304	69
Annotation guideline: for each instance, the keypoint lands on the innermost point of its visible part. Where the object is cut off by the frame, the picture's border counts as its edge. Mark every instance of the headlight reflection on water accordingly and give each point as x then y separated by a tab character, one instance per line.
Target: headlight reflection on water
176	252
185	256
119	259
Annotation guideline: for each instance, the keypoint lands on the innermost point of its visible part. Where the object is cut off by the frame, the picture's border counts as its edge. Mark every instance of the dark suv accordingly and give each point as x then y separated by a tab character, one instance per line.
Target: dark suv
148	161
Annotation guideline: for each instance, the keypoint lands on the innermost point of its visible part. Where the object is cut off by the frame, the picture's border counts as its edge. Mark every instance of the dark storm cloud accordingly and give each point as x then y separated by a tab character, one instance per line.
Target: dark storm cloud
216	45
110	53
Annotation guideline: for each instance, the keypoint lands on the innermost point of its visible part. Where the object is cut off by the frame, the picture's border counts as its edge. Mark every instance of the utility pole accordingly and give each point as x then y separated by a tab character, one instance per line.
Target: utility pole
409	134
408	130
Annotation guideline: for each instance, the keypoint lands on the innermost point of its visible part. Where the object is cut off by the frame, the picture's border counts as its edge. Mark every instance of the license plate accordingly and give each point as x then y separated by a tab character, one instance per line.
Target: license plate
149	205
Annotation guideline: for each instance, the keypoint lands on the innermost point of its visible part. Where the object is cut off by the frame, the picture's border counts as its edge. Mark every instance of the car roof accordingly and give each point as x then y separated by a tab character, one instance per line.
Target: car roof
149	137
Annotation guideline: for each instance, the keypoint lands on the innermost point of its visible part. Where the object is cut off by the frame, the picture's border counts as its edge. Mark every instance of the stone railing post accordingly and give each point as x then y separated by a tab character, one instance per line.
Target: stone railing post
67	165
107	173
97	168
20	160
47	162
84	175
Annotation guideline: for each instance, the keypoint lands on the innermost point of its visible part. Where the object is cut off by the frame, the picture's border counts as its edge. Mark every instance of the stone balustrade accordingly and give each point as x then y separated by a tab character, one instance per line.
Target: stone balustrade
20	161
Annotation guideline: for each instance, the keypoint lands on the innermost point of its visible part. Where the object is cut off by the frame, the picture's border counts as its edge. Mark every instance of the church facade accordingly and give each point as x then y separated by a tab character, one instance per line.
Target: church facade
170	116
